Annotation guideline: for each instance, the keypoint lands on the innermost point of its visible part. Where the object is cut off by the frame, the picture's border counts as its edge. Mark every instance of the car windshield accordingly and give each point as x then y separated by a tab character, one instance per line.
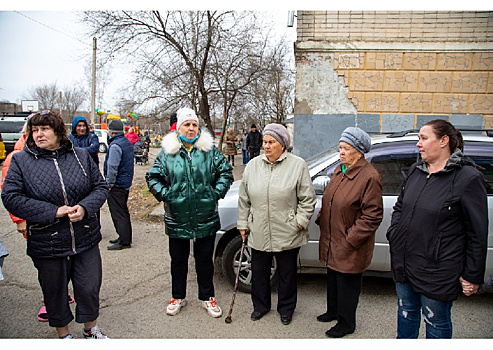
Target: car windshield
10	126
322	157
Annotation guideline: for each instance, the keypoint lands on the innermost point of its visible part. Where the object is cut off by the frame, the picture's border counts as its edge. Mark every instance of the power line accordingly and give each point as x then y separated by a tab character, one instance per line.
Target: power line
56	30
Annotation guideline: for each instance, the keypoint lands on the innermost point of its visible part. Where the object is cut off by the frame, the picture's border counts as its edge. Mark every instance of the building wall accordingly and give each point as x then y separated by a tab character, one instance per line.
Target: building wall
393	70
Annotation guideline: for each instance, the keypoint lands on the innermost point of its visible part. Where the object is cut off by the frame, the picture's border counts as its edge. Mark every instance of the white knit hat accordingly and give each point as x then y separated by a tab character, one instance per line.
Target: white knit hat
184	114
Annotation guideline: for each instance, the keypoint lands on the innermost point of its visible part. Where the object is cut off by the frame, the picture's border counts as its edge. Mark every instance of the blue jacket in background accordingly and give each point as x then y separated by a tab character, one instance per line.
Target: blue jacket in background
119	162
88	141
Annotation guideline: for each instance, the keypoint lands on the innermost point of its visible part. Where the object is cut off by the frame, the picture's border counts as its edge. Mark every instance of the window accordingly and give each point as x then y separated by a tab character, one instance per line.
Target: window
482	154
393	171
392	161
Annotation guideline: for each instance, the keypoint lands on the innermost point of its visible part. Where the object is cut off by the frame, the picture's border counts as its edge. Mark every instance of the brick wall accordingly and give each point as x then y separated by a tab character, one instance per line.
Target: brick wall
395	70
468	26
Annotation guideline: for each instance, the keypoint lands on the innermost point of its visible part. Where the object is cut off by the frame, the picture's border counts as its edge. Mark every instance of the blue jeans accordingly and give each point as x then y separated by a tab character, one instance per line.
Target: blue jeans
245	156
437	314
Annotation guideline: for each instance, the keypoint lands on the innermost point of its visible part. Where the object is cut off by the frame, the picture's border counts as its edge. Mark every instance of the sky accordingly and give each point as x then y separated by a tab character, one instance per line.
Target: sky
45	47
41	48
45	44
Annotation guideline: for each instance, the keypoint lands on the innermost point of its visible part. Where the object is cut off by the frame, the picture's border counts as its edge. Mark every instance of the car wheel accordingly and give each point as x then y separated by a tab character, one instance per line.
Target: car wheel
230	262
102	148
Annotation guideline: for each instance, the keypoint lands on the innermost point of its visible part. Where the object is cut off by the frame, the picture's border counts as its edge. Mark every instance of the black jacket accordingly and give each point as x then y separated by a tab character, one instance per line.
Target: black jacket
39	182
439	229
254	141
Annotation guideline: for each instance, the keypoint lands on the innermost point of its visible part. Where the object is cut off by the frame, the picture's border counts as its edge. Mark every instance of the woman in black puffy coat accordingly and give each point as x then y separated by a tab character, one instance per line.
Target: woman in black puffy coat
59	190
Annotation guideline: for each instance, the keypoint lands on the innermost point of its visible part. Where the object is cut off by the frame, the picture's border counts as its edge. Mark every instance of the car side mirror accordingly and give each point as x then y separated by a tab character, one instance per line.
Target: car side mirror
320	183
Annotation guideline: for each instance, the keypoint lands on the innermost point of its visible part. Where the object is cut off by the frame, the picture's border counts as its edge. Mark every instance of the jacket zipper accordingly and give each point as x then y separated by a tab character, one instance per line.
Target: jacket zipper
65	198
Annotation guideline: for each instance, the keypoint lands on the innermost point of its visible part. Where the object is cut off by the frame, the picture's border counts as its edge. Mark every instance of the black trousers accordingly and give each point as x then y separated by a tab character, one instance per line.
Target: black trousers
203	250
117	203
253	153
343	290
85	272
288	280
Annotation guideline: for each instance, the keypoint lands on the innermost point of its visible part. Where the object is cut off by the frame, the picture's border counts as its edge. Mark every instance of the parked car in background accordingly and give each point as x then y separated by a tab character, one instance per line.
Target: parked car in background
11	129
392	156
103	137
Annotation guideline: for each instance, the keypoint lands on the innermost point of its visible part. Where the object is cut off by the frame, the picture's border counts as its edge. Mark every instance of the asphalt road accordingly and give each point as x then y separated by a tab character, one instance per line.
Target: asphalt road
137	287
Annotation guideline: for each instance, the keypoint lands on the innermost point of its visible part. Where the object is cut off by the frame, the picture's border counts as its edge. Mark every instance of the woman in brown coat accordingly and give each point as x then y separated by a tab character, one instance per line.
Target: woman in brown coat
230	139
351	212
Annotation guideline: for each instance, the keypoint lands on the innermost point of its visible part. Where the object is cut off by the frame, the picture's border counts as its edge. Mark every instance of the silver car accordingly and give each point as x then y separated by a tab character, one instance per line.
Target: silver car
392	156
103	137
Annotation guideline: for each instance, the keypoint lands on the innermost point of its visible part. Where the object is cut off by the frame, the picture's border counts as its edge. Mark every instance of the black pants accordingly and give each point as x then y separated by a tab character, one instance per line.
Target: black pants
343	290
117	203
203	250
231	159
288	280
85	272
253	153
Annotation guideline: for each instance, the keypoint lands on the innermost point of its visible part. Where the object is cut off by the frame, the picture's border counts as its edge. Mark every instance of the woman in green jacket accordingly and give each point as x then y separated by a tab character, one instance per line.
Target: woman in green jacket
276	202
190	175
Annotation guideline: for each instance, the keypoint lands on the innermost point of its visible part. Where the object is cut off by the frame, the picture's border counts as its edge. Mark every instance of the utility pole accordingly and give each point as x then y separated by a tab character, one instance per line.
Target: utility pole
93	90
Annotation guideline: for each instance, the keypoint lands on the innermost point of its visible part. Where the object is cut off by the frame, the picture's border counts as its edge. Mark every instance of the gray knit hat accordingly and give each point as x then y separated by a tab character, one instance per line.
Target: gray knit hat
115	125
357	138
279	132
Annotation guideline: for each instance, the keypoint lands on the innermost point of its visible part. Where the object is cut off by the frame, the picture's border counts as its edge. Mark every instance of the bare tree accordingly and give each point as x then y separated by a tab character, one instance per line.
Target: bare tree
103	78
185	57
47	95
271	96
72	99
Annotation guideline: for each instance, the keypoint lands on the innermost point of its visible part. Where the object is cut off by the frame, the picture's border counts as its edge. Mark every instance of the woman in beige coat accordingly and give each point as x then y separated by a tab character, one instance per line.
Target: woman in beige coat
230	139
276	202
351	212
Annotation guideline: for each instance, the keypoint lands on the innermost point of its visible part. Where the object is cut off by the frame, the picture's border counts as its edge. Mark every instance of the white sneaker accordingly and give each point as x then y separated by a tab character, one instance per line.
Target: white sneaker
94	333
212	308
175	305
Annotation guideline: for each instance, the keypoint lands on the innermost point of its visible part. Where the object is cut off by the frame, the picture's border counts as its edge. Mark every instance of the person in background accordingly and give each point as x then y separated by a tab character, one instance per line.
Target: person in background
58	189
276	201
81	137
438	232
119	173
254	142
3	254
230	151
244	149
190	175
146	140
132	136
351	212
172	122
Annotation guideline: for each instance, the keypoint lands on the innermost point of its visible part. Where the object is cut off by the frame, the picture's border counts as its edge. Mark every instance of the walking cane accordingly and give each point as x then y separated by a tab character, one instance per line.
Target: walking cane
228	318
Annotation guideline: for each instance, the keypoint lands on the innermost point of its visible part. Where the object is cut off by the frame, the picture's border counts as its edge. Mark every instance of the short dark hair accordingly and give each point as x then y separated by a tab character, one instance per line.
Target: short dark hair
52	119
442	128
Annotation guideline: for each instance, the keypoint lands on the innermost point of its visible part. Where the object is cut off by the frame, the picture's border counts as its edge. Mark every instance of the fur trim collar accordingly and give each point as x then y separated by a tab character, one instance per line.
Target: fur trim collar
172	145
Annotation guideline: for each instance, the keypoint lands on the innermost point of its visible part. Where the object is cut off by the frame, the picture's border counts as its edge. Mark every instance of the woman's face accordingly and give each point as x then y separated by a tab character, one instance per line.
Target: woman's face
430	146
44	136
189	129
272	148
348	154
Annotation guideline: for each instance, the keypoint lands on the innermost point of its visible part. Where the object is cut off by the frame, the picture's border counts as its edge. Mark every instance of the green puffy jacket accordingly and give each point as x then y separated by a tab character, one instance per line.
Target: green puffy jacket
190	184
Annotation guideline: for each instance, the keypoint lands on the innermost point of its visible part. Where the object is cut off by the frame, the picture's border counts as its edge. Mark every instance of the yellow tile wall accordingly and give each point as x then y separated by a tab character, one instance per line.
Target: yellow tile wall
418	82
